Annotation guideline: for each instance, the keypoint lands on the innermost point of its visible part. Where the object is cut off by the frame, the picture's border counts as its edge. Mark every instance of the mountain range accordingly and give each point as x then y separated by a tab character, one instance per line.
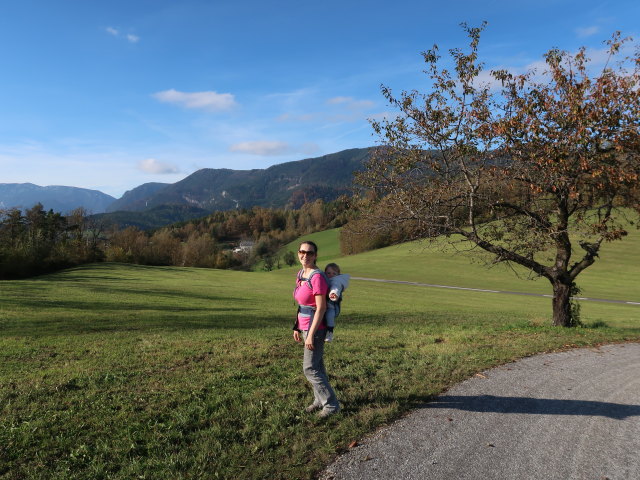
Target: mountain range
55	197
286	185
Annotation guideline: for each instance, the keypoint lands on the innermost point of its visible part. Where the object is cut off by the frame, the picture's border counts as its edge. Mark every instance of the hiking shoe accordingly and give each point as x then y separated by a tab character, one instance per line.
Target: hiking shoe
324	413
312	408
329	337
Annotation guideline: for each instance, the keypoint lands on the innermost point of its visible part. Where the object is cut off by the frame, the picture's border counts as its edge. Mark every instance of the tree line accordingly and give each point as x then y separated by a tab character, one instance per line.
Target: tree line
37	241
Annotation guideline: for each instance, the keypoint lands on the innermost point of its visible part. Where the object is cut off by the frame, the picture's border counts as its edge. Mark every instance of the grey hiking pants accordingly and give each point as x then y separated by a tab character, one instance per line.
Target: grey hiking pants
313	367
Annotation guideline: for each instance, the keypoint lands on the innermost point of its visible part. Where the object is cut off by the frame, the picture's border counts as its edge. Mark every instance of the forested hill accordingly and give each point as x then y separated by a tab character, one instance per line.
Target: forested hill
136	199
55	197
288	184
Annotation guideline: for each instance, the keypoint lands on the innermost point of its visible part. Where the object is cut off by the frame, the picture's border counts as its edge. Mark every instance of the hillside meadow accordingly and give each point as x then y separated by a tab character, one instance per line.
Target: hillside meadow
614	276
113	371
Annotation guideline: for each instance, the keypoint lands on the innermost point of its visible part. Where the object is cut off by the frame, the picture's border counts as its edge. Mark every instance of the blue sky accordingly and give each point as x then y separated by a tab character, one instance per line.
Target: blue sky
112	94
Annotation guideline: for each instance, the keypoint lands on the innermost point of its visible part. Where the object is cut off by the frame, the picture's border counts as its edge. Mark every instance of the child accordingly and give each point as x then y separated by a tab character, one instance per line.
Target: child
337	284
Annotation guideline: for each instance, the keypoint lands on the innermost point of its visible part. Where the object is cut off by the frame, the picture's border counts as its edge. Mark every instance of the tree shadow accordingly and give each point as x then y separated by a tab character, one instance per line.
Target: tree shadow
176	301
534	406
31	296
234	320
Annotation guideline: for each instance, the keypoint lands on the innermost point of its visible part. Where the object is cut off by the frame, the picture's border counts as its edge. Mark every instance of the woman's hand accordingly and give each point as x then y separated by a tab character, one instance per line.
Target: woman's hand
296	336
308	343
321	307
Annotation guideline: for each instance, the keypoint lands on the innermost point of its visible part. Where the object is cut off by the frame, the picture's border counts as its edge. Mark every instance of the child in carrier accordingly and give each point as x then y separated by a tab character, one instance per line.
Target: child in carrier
337	284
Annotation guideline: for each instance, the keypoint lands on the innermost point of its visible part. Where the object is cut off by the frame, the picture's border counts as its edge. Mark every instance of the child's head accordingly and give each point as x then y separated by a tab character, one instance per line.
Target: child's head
331	270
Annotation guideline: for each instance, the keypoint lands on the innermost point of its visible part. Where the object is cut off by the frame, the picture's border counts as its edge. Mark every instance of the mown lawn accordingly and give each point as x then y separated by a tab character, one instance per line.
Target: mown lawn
120	371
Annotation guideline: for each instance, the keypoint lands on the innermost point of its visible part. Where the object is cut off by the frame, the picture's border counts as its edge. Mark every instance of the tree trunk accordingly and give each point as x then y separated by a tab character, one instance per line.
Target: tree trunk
561	304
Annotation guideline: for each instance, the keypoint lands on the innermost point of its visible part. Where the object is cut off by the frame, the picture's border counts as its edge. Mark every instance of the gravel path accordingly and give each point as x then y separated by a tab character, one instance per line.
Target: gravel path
569	415
507	292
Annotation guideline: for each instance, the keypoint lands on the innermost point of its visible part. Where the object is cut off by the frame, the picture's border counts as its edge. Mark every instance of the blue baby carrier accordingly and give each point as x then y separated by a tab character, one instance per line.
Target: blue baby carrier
306	309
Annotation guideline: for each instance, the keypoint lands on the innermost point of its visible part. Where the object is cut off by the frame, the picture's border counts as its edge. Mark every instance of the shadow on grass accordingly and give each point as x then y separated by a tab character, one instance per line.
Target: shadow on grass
534	406
30	298
206	320
95	307
31	295
100	298
106	272
110	272
177	294
109	267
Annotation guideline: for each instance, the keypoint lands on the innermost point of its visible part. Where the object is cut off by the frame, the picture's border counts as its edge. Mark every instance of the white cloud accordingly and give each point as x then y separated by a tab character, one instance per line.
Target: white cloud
303	117
264	148
336	100
342	109
130	37
587	31
383	116
151	165
295	96
211	101
485	78
351	102
267	148
538	70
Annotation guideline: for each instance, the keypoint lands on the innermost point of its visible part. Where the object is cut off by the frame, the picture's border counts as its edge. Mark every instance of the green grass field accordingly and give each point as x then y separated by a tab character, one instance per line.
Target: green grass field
614	276
118	371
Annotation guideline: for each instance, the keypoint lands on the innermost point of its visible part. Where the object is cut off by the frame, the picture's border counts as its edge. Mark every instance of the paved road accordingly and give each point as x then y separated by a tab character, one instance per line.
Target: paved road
432	285
566	416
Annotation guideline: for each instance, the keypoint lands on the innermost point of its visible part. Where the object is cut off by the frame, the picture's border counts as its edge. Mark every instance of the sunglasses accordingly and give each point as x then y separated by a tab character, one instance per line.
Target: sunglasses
304	252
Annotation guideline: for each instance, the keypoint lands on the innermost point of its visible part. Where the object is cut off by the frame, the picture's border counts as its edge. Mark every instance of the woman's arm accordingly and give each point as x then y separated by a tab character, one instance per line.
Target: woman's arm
321	307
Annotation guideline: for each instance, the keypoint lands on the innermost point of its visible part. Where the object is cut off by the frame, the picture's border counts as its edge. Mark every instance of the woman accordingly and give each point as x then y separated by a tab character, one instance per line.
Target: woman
311	296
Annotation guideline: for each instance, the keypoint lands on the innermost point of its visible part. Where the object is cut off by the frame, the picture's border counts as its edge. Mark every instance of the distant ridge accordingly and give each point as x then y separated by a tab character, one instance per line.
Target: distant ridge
284	185
136	199
55	197
152	205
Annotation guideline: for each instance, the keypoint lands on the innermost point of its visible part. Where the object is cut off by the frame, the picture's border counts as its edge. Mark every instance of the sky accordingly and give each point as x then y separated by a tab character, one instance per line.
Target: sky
111	94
